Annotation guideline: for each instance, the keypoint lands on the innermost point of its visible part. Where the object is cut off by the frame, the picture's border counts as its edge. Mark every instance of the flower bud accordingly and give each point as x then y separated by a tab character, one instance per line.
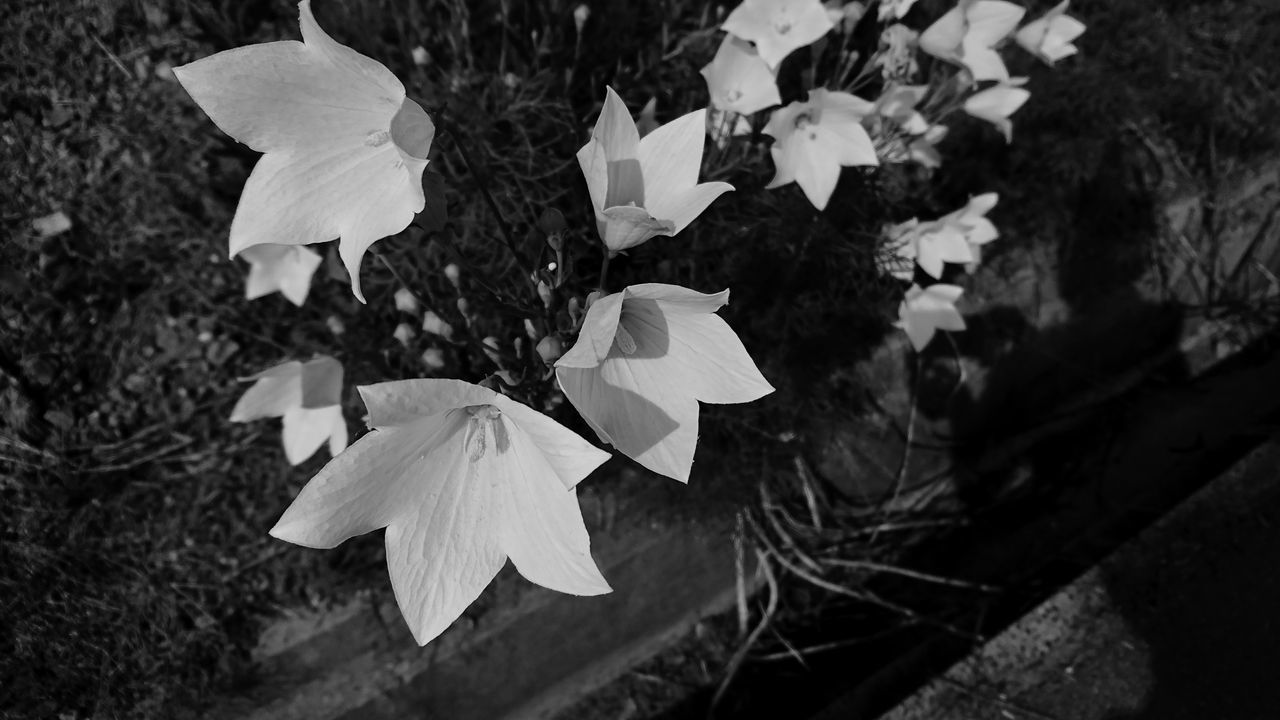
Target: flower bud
336	326
454	273
580	15
436	325
575	310
550	349
464	307
433	358
491	347
406	302
531	329
545	294
404	333
593	296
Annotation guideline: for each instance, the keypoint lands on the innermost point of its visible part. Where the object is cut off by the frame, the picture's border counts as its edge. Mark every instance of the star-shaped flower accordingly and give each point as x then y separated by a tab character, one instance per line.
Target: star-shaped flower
462	478
996	104
778	27
309	398
646	187
972	221
968	33
813	140
1049	37
286	269
344	148
925	311
739	80
643	360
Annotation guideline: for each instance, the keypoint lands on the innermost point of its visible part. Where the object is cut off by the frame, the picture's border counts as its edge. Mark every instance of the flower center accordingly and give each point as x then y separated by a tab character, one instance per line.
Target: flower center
782	23
733	96
803	121
485	420
624	340
412	130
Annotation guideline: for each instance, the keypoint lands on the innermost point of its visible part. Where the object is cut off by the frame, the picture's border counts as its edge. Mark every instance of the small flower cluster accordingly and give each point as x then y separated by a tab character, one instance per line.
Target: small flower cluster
464	476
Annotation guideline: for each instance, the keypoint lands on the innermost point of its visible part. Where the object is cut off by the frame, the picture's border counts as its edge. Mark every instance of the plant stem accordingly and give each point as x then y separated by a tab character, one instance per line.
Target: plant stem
482	181
604	269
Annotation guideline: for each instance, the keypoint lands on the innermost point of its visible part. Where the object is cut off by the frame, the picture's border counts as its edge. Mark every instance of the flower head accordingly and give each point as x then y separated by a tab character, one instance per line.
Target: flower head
896	56
1049	37
643	360
462	478
996	104
925	311
286	269
778	27
968	33
643	187
344	148
739	80
309	398
972	221
814	139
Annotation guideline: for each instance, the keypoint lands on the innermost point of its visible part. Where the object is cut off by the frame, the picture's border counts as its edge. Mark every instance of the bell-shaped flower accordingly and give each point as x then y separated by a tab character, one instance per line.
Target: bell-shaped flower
644	358
813	140
925	311
1049	37
344	148
931	245
996	104
644	187
309	398
894	9
973	222
968	33
462	478
286	269
778	27
897	103
738	79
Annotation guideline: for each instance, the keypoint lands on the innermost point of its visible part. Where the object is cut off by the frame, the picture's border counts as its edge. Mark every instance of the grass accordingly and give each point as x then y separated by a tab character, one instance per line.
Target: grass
135	570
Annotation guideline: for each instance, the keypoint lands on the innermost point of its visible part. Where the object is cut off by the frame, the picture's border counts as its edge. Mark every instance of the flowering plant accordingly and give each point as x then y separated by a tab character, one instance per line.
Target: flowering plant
465	475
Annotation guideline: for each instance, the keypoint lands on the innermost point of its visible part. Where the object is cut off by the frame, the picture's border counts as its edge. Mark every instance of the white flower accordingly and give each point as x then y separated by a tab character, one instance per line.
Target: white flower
1049	38
968	34
344	148
778	27
996	104
894	9
462	478
309	398
924	311
406	301
645	187
923	149
900	244
286	269
896	55
898	103
739	80
723	125
813	140
973	223
643	360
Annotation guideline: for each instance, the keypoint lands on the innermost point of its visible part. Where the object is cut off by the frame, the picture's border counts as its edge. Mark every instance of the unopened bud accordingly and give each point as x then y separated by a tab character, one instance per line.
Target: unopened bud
580	15
420	56
575	309
464	307
530	329
404	333
336	326
454	273
491	347
593	296
550	349
519	344
545	294
405	301
436	325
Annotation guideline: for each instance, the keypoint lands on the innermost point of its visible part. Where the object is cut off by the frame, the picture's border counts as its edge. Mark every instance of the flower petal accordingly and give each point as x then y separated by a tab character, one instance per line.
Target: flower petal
711	359
280	268
595	339
568	455
405	402
990	21
942	39
739	80
616	130
277	390
595	170
671	157
627	226
306	429
541	527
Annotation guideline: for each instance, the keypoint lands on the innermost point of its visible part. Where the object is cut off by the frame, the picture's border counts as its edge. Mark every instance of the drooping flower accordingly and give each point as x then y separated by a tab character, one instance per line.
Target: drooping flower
996	104
309	398
462	478
643	360
925	311
644	187
778	27
968	33
813	140
1049	37
286	269
344	148
972	221
894	9
739	80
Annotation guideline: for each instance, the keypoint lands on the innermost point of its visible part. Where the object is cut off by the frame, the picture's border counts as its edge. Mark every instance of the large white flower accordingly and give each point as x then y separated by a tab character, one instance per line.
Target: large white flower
968	33
643	360
344	148
925	311
309	398
462	478
646	187
778	27
286	269
738	79
1049	37
813	140
996	104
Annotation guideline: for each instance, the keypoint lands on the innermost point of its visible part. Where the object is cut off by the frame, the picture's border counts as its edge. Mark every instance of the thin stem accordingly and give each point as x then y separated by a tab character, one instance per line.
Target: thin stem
482	181
604	269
